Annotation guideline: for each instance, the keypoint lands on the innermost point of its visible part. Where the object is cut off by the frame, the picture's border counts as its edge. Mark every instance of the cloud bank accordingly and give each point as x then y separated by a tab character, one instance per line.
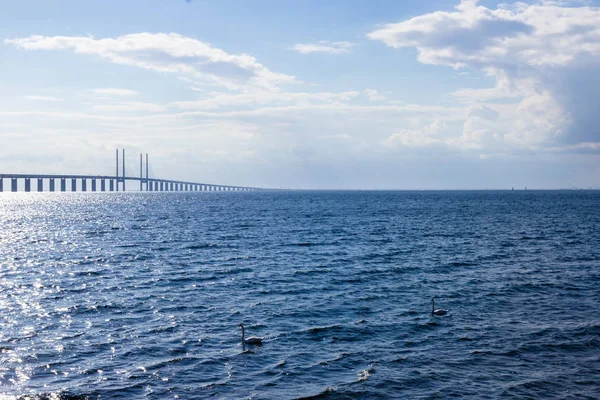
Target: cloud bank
166	52
544	57
324	47
114	91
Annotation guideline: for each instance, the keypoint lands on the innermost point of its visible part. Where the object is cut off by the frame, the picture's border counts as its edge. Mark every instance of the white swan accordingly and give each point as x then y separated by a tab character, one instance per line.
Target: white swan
439	311
252	339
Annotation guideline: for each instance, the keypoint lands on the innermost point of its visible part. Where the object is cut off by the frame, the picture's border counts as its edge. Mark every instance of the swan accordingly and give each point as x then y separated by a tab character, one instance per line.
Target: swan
439	311
252	339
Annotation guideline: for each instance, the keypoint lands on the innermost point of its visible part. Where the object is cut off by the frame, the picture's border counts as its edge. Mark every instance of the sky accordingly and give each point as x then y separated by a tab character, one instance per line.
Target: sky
311	94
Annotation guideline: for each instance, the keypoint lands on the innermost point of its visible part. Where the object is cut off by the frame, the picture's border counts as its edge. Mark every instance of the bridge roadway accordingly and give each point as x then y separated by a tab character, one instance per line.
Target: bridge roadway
146	184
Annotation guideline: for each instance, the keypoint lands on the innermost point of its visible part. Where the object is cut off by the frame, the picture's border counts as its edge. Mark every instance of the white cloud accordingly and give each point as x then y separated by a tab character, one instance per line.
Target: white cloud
166	52
43	98
130	106
545	57
374	95
483	112
324	47
217	100
115	91
425	136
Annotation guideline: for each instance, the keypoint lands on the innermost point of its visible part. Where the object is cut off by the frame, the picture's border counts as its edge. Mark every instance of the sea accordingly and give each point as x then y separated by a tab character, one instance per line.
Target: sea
140	295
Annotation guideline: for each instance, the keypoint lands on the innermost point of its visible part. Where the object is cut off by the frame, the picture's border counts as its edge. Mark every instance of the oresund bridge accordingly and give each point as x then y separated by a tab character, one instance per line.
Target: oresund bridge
108	183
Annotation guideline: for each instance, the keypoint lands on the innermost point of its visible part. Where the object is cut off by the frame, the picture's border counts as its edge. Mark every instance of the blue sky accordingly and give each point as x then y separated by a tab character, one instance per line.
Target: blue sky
306	94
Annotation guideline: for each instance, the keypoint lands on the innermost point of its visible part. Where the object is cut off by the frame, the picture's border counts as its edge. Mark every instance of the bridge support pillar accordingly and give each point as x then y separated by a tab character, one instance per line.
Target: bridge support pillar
40	185
148	186
103	185
51	185
28	184
63	184
13	184
111	185
73	185
84	185
1	184
93	185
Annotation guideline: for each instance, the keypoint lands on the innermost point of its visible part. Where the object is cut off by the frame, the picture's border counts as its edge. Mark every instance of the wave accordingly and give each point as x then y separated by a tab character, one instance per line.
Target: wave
327	392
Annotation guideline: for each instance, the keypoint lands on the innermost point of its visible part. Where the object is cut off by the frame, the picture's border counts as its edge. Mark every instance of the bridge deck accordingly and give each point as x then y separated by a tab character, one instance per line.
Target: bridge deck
122	179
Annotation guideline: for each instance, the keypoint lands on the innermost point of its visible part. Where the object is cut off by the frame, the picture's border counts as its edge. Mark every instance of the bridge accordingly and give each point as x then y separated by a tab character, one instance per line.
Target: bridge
108	183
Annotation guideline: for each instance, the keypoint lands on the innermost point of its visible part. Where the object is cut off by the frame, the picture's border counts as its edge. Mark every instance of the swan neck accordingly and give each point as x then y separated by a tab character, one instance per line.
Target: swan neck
242	333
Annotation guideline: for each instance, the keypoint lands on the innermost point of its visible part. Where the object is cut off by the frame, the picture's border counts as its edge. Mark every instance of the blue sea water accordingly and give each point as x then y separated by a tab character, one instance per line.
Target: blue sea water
131	295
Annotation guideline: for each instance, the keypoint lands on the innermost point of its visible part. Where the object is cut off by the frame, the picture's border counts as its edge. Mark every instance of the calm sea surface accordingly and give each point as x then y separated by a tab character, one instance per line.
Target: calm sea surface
129	295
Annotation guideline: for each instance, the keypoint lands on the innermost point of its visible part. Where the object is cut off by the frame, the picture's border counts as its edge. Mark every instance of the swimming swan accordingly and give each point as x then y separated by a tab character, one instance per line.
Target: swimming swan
250	340
439	311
